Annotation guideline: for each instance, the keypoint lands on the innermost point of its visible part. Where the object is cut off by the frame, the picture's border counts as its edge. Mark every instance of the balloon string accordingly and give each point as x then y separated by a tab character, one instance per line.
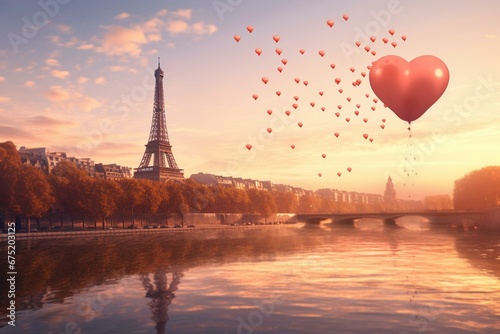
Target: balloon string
410	158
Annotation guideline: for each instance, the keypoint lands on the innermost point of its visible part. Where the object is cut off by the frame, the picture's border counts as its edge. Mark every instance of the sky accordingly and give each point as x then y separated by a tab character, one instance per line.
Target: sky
77	76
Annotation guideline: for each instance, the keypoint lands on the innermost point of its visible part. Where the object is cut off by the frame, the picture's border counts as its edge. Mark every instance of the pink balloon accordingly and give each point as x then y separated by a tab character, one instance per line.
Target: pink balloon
352	69
356	113
269	130
278	93
332	66
323	108
302	51
312	104
249	147
297	80
365	120
296	98
265	80
385	40
349	169
319	174
337	114
269	111
305	82
337	134
373	38
339	174
365	136
276	38
300	124
280	69
321	93
409	89
345	17
367	48
339	106
371	140
284	61
237	38
337	81
292	146
347	119
278	51
403	38
358	105
341	90
382	126
394	44
255	96
358	43
330	23
258	51
392	31
348	99
287	112
250	29
295	106
321	53
323	155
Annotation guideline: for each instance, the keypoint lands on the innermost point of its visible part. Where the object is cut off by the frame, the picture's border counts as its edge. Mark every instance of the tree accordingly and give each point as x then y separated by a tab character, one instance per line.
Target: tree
33	193
103	198
479	189
9	165
286	201
438	202
261	202
130	197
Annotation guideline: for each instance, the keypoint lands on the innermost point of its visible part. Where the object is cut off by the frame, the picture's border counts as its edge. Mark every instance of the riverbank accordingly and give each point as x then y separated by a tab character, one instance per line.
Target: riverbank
135	231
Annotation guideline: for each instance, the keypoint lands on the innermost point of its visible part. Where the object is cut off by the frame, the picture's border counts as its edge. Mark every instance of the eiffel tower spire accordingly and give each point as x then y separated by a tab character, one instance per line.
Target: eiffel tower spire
163	167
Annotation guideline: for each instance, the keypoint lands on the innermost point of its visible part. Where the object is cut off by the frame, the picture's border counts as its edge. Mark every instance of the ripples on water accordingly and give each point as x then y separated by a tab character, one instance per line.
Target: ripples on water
323	279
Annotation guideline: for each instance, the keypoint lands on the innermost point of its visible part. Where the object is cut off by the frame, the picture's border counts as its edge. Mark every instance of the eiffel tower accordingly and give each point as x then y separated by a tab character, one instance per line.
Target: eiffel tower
161	294
164	167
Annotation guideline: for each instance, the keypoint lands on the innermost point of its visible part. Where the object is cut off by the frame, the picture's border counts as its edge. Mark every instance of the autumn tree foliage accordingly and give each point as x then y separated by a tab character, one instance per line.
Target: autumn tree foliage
479	189
438	202
24	190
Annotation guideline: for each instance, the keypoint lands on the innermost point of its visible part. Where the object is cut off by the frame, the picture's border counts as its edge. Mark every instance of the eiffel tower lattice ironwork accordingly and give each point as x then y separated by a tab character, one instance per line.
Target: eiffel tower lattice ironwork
163	167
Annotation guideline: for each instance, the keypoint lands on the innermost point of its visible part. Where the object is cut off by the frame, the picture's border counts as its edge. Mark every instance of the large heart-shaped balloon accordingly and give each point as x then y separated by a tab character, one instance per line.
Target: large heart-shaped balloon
409	89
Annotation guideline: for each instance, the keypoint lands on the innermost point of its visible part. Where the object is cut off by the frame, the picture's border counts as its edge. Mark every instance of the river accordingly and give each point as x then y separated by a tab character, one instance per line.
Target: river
273	279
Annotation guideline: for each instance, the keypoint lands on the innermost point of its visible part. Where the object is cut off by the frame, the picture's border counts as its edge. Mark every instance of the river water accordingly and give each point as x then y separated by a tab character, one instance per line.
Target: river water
273	279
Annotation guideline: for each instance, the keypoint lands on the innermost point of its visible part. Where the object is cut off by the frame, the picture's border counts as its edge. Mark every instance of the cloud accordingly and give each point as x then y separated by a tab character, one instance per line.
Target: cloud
86	103
117	68
491	36
64	28
42	120
185	13
60	74
162	12
29	83
122	16
71	100
120	40
177	27
52	62
15	134
201	28
4	99
86	46
100	81
56	93
2	78
82	80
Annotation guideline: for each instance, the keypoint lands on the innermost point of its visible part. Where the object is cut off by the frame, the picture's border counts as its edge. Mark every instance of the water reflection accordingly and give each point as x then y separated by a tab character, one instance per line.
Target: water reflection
294	280
161	294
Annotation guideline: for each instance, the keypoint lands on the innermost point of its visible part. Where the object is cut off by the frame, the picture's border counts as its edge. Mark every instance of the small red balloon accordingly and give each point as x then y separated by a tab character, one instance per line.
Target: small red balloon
349	169
295	106
269	130
312	104
382	126
365	136
337	114
347	119
249	147
278	93
339	174
292	146
250	29
356	112
392	31
258	51
276	38
302	51
237	38
323	155
287	112
269	111
284	61
346	17
373	38
367	48
332	66
337	81
365	120
280	69
394	44
403	38
321	93
255	96
321	53
297	80
330	23
337	134
305	82
358	44
300	124
265	80
278	51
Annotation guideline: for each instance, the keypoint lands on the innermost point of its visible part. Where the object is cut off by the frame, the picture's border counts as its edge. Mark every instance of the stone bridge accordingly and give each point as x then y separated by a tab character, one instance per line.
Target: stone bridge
464	218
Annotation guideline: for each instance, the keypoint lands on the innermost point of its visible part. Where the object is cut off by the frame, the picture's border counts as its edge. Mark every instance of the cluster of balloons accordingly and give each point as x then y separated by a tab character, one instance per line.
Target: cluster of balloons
409	89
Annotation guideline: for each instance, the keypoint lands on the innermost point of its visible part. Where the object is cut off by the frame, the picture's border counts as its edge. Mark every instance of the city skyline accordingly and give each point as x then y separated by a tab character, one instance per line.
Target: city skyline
90	79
